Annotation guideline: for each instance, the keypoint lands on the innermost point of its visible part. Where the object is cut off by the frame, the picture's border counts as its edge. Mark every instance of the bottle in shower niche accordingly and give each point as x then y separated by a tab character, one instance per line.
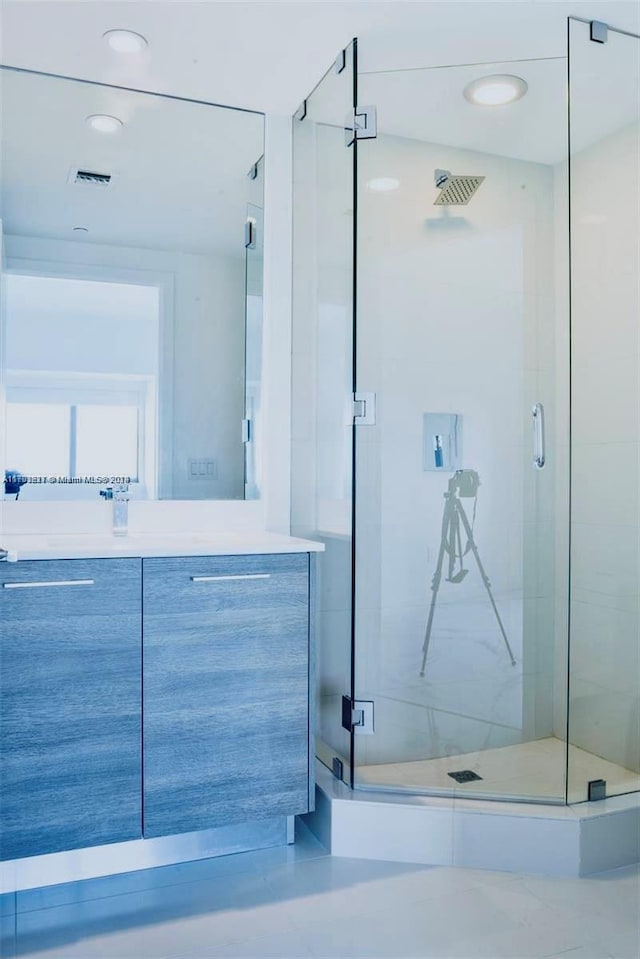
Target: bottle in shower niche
438	453
120	510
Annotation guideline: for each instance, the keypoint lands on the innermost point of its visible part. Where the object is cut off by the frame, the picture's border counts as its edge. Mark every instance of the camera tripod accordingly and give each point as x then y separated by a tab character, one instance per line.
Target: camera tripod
464	483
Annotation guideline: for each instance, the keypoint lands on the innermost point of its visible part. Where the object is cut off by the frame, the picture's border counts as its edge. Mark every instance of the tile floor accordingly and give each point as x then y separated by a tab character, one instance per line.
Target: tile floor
534	769
298	902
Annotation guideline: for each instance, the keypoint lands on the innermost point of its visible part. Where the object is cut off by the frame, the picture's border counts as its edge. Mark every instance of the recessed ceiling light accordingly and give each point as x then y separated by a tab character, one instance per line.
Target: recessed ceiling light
383	183
80	229
125	41
495	91
103	123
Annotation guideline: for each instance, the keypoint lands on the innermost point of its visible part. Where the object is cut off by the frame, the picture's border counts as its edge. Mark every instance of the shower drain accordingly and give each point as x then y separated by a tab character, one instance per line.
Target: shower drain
464	776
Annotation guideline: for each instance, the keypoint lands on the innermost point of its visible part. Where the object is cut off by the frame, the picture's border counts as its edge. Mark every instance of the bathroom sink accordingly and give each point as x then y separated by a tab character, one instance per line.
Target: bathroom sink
130	542
85	540
168	539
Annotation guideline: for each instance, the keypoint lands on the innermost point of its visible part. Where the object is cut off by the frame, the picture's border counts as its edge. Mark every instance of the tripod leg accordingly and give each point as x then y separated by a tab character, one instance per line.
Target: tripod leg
460	553
485	578
435	582
454	538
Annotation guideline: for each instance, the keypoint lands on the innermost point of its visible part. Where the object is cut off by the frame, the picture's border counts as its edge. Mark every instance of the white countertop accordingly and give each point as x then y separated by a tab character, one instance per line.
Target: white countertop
106	545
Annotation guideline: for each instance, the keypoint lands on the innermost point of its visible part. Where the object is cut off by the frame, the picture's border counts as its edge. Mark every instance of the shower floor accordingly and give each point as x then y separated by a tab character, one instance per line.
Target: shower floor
534	770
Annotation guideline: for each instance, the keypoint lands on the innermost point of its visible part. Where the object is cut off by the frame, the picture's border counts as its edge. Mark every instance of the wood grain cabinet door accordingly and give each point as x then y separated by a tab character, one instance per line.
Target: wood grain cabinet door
70	694
225	690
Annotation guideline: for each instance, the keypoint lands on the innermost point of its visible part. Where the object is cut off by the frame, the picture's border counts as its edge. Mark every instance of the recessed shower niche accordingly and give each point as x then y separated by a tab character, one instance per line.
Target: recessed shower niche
441	441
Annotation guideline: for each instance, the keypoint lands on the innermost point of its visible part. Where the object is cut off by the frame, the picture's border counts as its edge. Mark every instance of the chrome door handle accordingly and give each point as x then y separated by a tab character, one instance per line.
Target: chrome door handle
217	579
539	451
58	582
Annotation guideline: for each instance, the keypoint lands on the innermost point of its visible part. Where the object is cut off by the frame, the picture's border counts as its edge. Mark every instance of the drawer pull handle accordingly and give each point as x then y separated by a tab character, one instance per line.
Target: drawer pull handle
217	579
59	582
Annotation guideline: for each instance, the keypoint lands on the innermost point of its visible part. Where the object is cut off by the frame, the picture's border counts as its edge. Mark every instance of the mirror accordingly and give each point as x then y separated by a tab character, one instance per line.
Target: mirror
131	292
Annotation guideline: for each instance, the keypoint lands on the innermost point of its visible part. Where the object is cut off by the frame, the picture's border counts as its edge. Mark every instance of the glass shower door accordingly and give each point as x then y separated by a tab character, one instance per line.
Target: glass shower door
322	387
461	482
604	713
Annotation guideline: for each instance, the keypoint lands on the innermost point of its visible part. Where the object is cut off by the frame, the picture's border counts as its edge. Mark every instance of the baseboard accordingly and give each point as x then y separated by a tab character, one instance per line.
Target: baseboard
125	857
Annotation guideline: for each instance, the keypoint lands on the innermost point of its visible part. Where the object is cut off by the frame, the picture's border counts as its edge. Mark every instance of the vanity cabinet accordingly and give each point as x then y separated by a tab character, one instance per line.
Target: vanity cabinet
70	691
226	690
151	697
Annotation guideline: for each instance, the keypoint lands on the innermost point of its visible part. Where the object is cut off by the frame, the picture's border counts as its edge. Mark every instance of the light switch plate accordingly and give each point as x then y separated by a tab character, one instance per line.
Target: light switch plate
202	469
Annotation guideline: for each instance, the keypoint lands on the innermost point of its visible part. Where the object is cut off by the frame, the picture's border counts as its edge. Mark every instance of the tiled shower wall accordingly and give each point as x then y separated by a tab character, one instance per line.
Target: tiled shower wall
605	651
456	314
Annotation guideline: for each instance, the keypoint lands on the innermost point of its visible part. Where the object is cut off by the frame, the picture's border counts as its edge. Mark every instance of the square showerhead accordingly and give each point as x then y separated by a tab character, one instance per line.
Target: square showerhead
455	190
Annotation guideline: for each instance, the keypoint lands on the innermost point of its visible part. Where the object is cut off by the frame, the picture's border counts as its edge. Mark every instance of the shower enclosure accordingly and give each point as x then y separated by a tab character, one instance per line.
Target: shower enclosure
465	420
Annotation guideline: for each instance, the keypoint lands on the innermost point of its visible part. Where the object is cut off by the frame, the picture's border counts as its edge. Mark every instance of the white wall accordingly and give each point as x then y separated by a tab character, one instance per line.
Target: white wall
605	650
208	377
276	389
62	325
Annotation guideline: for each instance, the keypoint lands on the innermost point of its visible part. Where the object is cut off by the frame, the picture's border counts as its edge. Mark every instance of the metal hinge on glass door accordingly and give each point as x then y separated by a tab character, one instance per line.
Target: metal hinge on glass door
362	124
364	409
250	234
599	31
357	716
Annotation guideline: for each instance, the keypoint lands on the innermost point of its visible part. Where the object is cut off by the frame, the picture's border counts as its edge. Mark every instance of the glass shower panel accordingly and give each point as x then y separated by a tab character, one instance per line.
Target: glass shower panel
461	551
322	424
604	714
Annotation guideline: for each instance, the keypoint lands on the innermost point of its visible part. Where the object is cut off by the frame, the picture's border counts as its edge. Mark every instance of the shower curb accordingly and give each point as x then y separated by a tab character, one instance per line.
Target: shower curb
516	837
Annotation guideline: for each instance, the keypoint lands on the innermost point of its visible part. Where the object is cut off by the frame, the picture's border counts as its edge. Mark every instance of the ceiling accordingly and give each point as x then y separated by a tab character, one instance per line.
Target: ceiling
429	105
268	55
260	56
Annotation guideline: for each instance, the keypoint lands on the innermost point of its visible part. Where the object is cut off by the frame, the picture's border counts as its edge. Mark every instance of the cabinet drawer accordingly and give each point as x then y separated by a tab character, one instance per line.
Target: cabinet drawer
70	689
191	584
49	589
226	687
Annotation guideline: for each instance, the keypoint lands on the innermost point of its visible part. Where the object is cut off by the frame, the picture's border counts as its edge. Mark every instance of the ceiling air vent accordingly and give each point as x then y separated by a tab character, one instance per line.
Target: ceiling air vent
90	177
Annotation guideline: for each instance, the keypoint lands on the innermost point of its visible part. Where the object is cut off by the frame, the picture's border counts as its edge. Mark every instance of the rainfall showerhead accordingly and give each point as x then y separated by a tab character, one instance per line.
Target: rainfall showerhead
455	190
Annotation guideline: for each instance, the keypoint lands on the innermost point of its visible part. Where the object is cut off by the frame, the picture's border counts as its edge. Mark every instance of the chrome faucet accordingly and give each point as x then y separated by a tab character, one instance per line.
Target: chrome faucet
120	497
